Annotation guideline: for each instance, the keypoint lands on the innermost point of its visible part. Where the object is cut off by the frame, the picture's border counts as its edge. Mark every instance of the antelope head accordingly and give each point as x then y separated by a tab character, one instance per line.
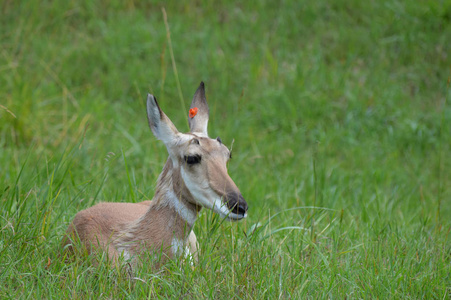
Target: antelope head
198	163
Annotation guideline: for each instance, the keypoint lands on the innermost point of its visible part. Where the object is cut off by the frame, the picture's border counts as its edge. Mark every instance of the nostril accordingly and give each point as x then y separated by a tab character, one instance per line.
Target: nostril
241	208
243	204
237	204
232	205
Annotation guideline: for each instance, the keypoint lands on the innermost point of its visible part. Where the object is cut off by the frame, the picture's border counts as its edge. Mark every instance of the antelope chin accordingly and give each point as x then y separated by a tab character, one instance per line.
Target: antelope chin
233	217
221	209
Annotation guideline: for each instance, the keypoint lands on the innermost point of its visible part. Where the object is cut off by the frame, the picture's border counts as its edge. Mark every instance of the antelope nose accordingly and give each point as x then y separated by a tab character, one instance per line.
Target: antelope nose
241	208
237	204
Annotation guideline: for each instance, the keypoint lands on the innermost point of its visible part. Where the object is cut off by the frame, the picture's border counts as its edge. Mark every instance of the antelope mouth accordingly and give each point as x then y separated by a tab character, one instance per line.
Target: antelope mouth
235	217
234	211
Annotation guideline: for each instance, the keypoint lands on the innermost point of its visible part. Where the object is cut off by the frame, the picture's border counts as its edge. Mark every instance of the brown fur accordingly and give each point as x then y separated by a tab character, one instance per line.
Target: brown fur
139	227
165	223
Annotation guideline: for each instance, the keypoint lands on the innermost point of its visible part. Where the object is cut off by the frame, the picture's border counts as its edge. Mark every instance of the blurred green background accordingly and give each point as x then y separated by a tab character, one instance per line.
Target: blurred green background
343	105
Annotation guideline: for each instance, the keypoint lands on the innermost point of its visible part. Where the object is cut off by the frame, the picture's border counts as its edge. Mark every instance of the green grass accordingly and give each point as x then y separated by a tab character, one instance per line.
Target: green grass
341	116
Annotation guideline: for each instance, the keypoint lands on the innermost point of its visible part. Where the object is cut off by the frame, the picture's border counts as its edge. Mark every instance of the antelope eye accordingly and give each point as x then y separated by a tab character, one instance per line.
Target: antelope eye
192	159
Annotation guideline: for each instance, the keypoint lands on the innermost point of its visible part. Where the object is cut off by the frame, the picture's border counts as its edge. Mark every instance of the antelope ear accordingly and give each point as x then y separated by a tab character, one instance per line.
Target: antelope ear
199	122
161	125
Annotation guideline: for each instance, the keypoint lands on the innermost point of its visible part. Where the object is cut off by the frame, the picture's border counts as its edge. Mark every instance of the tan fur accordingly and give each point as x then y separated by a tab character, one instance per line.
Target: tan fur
163	226
135	227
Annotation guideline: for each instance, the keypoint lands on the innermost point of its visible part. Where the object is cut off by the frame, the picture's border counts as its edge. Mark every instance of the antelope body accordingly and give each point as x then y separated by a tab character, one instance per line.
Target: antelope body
194	176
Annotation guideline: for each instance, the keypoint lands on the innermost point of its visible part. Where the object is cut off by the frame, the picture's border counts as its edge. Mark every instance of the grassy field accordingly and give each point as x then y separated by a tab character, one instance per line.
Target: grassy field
341	116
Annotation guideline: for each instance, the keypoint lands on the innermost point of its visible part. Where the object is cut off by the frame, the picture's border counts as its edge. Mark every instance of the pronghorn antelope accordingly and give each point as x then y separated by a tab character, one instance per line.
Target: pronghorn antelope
194	176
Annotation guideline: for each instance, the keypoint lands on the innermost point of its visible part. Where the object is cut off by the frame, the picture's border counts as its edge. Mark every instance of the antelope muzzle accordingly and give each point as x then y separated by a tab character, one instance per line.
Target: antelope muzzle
237	205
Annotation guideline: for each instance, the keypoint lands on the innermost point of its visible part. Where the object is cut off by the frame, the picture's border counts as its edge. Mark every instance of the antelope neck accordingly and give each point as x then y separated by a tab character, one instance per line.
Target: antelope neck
170	209
168	220
172	192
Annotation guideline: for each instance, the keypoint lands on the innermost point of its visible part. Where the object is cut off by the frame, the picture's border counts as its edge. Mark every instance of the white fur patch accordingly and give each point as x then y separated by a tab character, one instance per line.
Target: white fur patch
202	193
187	214
123	250
179	248
206	197
126	254
224	212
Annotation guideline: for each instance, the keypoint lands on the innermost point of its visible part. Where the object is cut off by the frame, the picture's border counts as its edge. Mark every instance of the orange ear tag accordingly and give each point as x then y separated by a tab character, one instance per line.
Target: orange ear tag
193	112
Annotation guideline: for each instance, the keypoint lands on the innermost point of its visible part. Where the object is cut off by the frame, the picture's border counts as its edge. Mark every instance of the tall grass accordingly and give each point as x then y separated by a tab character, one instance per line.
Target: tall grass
341	118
